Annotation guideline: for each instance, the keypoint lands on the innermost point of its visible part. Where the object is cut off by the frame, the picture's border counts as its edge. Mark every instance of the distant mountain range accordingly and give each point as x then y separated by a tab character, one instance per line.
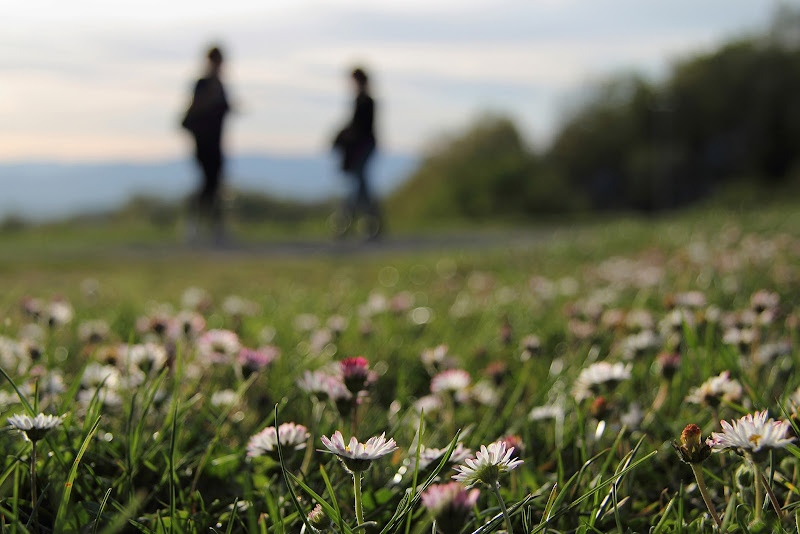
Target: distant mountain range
42	191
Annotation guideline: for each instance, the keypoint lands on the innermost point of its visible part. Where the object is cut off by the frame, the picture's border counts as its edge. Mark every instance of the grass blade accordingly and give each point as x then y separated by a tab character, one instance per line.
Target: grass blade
62	507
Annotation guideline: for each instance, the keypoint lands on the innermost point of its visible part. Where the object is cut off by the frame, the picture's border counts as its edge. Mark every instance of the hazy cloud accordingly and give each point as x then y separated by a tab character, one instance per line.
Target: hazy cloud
95	80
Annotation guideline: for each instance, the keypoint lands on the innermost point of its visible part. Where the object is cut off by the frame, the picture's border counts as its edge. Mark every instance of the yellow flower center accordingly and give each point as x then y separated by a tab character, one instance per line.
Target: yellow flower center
754	438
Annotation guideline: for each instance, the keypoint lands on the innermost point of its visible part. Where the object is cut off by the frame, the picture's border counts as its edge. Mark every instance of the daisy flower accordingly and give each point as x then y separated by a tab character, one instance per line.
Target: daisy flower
156	323
186	324
337	324
355	373
253	360
668	364
93	331
59	312
357	456
451	380
482	393
487	466
318	520
224	398
752	433
548	411
599	374
35	428
429	455
238	307
218	346
314	382
265	443
435	356
763	300
716	389
452	494
149	357
530	346
196	298
450	505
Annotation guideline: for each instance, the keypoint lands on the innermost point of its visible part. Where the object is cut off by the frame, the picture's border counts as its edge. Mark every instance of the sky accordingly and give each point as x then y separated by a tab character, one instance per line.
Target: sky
94	80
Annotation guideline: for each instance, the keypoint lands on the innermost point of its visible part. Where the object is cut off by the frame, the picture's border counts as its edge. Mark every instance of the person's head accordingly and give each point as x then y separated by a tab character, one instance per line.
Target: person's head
214	57
360	78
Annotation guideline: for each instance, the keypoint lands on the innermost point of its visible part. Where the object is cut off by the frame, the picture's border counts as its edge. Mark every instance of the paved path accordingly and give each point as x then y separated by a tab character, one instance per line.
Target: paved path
386	245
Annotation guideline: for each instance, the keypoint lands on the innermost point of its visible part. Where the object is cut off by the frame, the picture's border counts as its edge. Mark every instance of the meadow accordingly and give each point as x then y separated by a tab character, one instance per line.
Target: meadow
202	392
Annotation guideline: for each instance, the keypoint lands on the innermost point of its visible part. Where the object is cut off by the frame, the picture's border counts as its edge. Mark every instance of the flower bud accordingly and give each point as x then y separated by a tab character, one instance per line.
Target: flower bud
318	519
692	449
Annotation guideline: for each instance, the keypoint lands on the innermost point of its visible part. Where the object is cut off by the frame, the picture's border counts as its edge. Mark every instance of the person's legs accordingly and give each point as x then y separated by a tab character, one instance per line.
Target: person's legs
365	203
208	203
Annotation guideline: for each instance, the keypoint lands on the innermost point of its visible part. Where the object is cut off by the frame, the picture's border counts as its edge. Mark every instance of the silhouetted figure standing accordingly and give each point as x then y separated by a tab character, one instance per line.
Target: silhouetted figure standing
356	142
205	119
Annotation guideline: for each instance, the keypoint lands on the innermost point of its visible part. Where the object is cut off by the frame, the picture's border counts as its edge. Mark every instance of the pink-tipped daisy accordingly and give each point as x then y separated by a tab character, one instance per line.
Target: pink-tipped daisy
218	346
357	456
487	466
355	373
453	380
293	438
752	434
449	500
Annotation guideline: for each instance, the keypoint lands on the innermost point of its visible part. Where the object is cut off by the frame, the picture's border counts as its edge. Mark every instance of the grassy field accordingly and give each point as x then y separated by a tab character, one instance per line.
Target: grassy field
166	364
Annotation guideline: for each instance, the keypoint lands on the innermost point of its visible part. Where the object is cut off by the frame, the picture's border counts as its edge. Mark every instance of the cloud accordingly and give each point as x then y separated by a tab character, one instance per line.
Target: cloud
111	79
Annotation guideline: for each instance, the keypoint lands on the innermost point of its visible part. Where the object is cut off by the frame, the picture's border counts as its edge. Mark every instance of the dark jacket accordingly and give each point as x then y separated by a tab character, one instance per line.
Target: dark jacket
207	111
356	141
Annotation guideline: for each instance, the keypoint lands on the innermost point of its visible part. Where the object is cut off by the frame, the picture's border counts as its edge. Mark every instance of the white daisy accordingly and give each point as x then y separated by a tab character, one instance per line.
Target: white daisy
429	455
93	331
489	463
35	428
224	398
716	389
752	434
59	312
599	374
236	306
451	380
548	411
147	356
265	443
357	456
435	356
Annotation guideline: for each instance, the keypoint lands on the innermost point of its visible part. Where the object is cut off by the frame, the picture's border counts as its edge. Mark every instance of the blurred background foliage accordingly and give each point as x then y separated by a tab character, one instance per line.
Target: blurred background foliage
725	123
722	127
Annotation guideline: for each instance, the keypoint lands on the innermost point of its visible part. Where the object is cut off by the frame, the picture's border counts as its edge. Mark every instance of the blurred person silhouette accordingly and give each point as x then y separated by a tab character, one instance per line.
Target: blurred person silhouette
204	120
356	144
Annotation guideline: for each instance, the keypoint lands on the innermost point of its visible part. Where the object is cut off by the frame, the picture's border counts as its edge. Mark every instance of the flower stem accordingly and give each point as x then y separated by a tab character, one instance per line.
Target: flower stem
496	488
357	493
701	483
759	504
33	481
772	498
661	396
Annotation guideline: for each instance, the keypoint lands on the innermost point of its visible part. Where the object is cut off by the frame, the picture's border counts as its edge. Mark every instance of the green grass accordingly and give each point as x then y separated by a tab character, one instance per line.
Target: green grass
165	458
